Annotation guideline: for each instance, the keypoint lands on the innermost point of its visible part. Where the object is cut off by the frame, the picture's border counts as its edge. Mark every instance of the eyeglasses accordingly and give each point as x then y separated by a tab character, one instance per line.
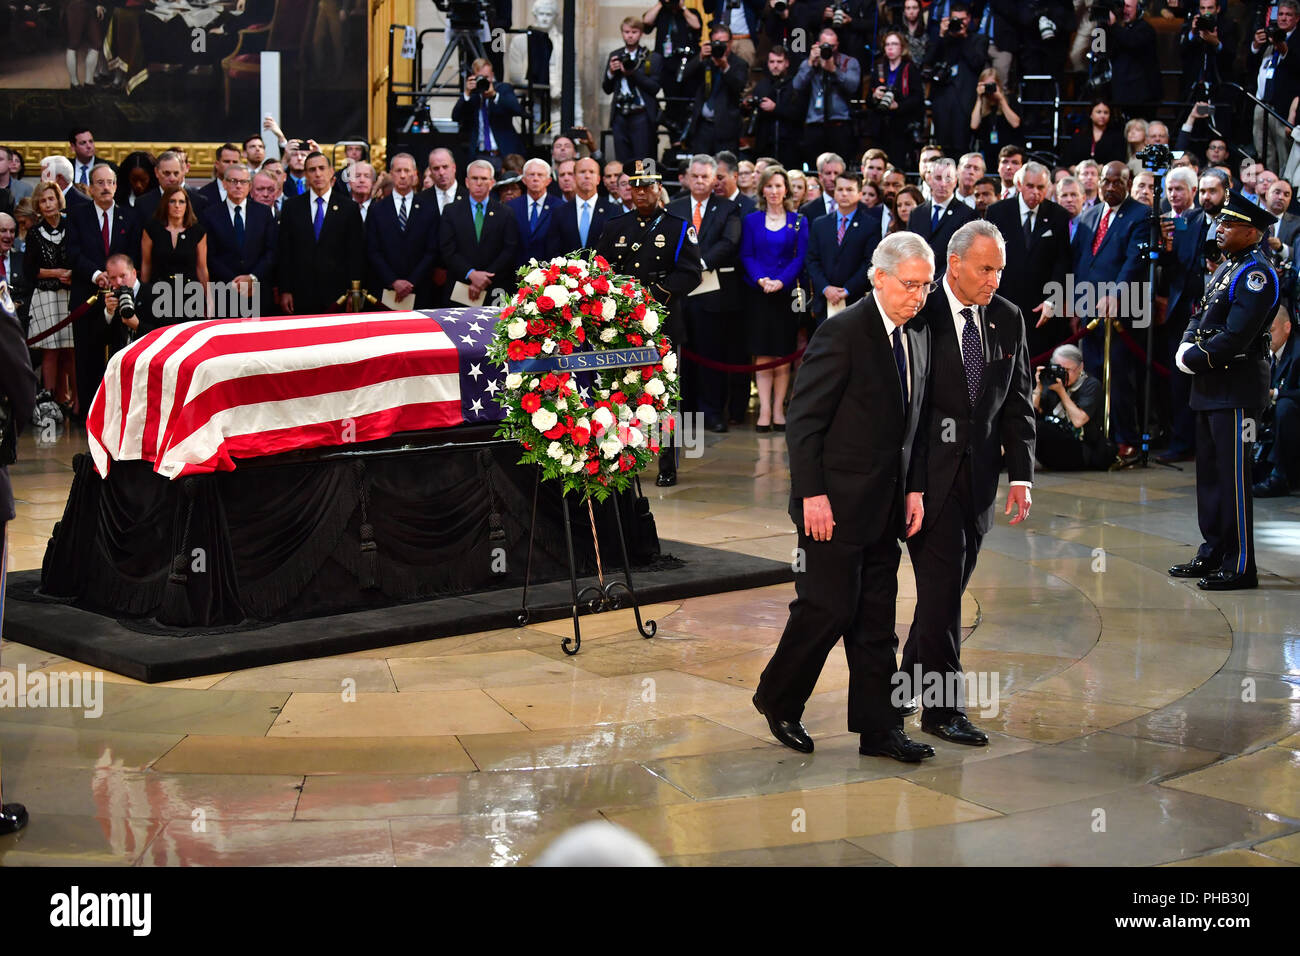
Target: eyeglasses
914	287
238	182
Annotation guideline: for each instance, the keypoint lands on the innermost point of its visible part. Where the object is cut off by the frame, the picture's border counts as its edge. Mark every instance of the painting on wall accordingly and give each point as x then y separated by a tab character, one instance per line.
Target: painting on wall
180	69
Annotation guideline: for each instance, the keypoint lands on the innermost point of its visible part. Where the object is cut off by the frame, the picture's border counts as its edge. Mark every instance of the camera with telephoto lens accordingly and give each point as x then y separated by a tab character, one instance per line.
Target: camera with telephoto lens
481	85
956	27
1052	374
827	51
463	14
1205	23
718	49
626	58
885	102
837	14
125	302
1041	12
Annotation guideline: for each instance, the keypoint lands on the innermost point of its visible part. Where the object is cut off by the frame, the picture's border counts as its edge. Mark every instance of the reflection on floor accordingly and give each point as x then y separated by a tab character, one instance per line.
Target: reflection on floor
1138	720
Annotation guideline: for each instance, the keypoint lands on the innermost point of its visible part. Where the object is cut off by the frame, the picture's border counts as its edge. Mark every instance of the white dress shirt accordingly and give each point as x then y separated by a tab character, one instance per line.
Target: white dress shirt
959	323
365	208
243	210
1024	211
445	196
311	204
968	200
410	203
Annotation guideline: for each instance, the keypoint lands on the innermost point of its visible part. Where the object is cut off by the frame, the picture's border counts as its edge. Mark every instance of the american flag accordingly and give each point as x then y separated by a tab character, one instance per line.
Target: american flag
190	398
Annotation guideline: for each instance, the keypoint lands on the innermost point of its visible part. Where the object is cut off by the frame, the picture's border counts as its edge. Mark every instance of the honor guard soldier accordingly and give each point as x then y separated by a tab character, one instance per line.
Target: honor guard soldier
1225	349
660	251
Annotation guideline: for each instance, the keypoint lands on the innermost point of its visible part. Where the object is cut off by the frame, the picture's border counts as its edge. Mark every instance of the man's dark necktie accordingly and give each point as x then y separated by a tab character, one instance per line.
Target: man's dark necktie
972	356
900	360
401	216
319	221
1029	229
934	219
239	227
532	217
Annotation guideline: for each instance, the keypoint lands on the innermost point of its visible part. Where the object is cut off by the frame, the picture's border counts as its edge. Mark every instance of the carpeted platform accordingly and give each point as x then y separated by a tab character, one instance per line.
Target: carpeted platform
102	641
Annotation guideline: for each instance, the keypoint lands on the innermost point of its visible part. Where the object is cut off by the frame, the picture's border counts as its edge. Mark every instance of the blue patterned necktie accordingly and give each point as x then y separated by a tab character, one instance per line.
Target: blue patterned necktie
584	223
934	219
239	227
972	356
900	360
319	221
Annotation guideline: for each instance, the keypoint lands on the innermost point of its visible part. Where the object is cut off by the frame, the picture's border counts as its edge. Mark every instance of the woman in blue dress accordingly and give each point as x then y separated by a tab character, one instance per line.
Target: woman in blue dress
774	241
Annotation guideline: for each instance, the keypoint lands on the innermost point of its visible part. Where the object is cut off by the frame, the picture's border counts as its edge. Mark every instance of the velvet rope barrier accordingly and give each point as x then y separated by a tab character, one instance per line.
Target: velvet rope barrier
726	367
1125	337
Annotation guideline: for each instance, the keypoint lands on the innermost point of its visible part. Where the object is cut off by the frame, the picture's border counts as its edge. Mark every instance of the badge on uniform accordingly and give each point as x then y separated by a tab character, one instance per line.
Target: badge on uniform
622	241
1255	281
660	241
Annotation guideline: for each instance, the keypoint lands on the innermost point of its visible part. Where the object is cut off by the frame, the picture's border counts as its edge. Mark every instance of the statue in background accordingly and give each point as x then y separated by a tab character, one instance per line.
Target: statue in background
537	58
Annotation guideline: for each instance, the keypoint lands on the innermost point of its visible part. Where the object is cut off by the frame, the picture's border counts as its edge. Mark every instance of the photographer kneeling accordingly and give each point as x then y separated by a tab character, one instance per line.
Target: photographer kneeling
122	301
1068	406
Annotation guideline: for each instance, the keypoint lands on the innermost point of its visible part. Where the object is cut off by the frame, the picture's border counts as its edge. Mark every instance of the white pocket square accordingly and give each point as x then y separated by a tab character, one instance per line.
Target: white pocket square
1046	234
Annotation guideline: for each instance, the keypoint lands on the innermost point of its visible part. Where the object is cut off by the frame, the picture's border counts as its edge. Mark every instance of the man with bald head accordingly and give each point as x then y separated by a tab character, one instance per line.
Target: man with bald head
578	224
402	237
1106	249
1037	233
444	189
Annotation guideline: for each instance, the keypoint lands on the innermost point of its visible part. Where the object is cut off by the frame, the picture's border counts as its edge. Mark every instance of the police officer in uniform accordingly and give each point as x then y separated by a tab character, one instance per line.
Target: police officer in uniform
659	250
1225	349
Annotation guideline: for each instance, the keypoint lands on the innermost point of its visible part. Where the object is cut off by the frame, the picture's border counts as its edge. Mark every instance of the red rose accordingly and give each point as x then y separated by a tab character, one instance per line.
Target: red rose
566	312
581	436
618	398
645	399
647	373
556	432
593	466
530	402
565	346
517	350
580	334
545	303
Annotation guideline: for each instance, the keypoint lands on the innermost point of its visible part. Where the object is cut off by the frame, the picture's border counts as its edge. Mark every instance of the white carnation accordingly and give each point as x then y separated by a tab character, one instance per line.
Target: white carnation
611	446
517	329
548	346
575	322
554	450
607	335
603	416
654	387
670	362
514	380
561	404
578	466
631	378
647	414
608	309
650	323
671	376
535	383
570	282
544	419
530	308
566	460
557	294
534	277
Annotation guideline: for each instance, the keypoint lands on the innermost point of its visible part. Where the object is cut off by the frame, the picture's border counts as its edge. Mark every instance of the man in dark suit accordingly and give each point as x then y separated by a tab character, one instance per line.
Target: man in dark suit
487	116
718	81
96	231
840	247
1207	54
321	244
18	387
1277	463
1037	234
828	171
857	472
535	212
956	56
1183	262
402	236
1106	249
478	238
716	222
214	193
170	173
578	224
11	264
632	75
242	240
727	185
943	214
980	409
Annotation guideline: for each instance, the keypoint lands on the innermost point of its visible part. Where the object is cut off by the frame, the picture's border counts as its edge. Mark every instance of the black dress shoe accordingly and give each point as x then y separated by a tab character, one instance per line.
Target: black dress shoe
1196	568
1227	581
13	817
908	708
894	744
719	427
1274	486
666	479
957	729
762	429
788	732
778	426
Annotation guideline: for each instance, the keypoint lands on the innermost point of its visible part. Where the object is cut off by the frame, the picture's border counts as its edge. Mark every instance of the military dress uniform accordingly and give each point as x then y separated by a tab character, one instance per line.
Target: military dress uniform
662	253
1225	349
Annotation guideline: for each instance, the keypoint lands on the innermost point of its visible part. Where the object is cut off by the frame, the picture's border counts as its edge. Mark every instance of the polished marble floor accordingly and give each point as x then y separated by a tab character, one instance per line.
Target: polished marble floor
1138	720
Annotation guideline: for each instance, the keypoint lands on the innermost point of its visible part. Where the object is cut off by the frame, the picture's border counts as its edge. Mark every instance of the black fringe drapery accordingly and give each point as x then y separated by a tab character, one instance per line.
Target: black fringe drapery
302	538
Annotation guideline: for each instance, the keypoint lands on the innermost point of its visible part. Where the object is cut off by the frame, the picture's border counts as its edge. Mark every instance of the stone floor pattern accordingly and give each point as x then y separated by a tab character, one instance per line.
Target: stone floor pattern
1139	720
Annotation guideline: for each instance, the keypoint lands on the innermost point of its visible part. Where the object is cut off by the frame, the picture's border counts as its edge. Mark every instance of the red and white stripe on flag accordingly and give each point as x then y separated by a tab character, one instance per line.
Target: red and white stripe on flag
191	397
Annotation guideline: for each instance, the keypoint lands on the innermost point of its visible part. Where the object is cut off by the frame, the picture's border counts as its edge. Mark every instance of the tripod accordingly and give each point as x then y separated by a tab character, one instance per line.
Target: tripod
470	48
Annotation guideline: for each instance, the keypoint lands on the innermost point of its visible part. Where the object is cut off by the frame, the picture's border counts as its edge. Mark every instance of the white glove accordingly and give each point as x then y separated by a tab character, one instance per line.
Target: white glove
1178	357
1295	133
